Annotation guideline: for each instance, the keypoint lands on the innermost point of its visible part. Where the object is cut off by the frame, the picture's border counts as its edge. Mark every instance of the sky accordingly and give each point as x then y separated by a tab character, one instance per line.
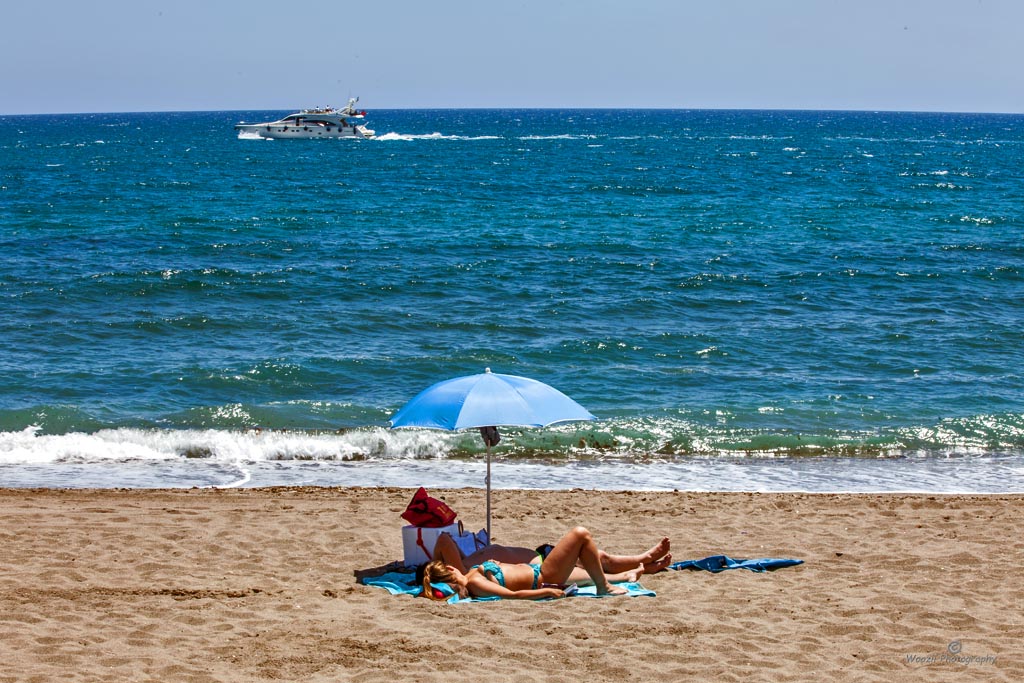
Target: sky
67	56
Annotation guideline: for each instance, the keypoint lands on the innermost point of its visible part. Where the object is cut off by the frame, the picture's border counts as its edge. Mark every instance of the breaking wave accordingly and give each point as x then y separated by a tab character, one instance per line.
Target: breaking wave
614	440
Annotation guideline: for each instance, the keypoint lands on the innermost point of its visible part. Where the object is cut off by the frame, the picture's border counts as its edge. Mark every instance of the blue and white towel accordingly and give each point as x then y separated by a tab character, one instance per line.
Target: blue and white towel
404	583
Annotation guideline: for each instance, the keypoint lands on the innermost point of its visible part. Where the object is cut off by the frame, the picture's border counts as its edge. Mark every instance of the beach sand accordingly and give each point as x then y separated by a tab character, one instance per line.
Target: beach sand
259	585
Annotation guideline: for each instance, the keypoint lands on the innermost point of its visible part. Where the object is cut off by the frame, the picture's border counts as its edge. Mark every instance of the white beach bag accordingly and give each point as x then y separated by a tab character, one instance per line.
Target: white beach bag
418	542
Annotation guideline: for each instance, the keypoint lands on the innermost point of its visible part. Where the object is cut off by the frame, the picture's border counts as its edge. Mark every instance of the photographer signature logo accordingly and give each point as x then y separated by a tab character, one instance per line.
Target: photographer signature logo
954	654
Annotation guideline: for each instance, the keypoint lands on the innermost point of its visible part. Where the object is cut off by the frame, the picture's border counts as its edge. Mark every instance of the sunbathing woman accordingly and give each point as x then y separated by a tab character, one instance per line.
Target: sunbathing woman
654	560
527	581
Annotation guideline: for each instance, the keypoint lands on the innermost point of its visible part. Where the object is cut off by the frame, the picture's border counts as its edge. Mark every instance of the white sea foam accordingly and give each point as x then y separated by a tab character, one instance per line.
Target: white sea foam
979	220
388	137
405	137
29	447
380	457
112	445
565	136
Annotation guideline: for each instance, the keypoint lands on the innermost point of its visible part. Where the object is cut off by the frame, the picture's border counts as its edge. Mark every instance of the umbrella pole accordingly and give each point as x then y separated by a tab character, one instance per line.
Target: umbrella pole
488	480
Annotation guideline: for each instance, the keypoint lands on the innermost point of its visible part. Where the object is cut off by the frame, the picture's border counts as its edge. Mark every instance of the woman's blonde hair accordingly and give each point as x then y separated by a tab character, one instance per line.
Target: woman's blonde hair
436	572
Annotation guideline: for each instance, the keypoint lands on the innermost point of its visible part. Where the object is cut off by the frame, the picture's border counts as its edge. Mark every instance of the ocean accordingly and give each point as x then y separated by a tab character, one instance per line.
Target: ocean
747	300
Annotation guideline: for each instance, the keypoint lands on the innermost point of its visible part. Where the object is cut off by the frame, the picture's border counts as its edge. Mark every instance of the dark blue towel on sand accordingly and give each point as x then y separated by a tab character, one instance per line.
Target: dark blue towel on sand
718	563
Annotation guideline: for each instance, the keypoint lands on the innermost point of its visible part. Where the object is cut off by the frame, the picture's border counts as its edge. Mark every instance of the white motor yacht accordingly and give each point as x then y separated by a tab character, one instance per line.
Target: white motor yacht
322	122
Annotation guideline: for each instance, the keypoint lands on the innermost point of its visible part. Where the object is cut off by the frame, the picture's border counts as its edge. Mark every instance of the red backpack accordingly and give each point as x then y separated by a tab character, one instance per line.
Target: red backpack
425	510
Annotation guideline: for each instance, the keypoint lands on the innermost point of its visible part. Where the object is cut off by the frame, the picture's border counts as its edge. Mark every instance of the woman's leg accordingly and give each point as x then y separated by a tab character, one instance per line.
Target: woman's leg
447	550
651	560
578	544
580	577
501	553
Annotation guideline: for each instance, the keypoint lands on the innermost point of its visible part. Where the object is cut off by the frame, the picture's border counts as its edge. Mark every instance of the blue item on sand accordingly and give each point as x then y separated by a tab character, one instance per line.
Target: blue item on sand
399	583
718	563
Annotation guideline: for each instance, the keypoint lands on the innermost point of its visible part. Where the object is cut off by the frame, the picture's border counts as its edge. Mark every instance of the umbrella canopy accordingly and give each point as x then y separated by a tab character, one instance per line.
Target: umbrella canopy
488	400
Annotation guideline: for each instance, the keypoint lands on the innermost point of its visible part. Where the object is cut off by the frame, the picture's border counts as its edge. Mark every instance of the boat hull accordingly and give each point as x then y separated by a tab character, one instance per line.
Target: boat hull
274	131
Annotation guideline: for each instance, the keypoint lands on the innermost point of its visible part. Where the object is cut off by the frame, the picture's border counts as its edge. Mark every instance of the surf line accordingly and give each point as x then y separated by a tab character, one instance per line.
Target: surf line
246	477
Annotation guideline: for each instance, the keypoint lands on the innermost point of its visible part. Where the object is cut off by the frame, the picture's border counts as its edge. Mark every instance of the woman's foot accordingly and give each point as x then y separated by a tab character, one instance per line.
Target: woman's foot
612	590
657	552
658	565
634	575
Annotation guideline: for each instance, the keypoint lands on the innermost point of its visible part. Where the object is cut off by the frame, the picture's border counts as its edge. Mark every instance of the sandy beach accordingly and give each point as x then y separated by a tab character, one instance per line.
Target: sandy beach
259	585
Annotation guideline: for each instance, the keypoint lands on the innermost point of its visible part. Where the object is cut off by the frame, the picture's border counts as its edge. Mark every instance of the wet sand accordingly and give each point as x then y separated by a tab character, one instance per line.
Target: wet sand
259	585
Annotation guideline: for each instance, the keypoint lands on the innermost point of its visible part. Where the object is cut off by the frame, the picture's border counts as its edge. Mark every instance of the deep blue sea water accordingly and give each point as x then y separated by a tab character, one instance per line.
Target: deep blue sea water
753	300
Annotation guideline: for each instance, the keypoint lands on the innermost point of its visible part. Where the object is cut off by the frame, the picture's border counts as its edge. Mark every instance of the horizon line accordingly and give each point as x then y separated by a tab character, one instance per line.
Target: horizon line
561	108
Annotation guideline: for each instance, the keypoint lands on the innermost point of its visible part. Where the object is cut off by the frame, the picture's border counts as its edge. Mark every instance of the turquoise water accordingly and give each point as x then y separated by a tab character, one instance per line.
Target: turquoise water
721	288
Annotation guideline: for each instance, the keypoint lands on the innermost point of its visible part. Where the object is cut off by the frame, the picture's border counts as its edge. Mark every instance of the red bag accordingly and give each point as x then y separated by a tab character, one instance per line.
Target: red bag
424	510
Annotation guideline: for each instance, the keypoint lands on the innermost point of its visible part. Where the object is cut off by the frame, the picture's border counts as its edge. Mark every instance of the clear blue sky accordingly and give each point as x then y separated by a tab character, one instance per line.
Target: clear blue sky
143	55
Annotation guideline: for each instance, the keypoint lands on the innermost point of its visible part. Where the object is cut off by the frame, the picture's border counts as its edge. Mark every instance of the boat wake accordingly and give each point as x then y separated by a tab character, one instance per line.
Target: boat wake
387	137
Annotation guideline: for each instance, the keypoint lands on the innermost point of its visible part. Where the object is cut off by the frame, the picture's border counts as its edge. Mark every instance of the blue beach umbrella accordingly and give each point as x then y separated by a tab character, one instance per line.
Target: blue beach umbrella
487	401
